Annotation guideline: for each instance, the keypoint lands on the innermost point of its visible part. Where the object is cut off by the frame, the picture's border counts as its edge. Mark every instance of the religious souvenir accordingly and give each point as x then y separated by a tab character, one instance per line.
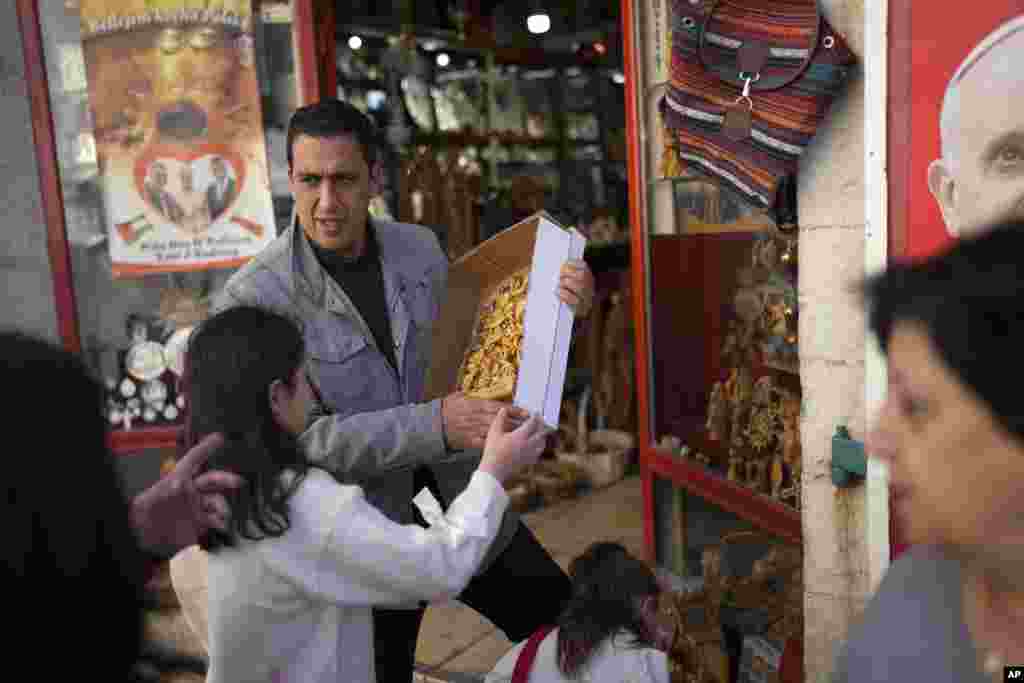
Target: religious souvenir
174	350
718	422
145	361
777	474
127	388
154	392
791	451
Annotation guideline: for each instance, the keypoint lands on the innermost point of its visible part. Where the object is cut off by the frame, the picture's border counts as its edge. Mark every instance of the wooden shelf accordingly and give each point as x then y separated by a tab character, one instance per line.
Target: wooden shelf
130	442
768	514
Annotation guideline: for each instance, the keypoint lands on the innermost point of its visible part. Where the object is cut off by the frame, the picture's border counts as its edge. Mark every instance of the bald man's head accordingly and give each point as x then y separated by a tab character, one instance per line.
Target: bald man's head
980	177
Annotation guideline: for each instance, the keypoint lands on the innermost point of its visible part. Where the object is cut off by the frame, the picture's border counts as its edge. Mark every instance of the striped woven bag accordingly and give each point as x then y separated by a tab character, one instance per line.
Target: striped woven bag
750	82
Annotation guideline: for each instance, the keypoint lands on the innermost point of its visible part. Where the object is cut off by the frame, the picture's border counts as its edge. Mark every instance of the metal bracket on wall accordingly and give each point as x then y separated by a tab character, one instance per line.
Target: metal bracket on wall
849	463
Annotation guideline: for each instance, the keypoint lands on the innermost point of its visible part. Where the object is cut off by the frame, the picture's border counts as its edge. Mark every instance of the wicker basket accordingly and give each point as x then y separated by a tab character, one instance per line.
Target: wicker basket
604	457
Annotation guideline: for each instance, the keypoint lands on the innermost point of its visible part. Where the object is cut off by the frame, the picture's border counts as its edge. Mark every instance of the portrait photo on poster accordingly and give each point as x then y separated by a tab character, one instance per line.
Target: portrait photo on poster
180	144
961	140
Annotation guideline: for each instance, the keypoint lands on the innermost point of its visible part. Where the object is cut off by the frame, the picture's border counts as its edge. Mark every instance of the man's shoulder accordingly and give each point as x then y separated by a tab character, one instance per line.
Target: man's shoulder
269	267
409	245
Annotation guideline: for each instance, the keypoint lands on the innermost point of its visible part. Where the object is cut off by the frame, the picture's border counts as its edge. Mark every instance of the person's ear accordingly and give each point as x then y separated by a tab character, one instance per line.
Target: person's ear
943	188
278	394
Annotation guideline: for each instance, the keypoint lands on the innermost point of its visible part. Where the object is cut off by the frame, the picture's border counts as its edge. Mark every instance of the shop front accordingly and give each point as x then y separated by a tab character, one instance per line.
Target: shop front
146	160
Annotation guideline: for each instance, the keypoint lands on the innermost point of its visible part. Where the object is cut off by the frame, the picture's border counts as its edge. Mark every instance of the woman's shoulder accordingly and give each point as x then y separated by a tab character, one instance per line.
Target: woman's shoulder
912	624
921	585
318	485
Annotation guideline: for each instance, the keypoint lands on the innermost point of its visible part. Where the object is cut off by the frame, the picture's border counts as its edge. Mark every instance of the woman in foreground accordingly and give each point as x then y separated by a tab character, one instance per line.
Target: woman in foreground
952	433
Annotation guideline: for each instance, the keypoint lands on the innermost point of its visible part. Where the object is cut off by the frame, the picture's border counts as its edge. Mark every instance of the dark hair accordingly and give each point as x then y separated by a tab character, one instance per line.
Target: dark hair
231	361
68	540
331	119
607	583
970	300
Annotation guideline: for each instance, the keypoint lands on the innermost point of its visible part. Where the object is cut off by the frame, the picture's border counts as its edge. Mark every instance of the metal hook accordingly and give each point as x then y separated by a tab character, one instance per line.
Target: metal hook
750	102
746	90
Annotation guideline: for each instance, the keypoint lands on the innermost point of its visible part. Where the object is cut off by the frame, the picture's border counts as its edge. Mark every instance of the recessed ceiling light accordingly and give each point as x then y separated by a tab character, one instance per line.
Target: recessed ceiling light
443	59
538	22
355	42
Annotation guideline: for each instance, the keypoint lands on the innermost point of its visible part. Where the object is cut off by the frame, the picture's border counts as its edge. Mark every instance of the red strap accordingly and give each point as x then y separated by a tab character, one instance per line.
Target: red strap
524	662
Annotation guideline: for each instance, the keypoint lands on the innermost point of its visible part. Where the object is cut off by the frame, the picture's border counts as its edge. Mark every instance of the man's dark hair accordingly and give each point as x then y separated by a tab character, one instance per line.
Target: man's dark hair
232	359
607	584
68	540
330	119
970	300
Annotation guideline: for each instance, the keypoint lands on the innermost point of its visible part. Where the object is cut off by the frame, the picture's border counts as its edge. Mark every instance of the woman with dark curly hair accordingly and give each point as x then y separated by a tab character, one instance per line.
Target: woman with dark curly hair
605	632
305	557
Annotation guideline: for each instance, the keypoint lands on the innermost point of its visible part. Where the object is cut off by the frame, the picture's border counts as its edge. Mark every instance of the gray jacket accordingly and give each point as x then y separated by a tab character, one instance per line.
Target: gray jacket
372	427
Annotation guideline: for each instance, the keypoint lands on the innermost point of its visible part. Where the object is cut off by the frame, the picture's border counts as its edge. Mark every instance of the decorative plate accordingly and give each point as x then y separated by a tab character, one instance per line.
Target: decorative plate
145	361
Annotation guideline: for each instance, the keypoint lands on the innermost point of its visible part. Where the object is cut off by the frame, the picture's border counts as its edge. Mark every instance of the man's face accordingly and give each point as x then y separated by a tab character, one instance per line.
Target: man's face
332	186
985	181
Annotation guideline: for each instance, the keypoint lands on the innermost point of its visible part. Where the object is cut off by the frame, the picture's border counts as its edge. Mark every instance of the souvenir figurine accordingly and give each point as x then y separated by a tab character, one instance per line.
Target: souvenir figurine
127	388
743	388
718	415
154	392
777	474
734	463
791	451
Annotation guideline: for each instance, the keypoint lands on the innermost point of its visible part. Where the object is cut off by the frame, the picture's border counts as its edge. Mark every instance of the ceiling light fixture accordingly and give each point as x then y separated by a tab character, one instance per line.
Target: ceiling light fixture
538	22
443	59
355	42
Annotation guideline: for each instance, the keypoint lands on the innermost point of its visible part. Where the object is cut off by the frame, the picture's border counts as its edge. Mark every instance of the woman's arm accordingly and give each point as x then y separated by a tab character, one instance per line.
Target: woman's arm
343	550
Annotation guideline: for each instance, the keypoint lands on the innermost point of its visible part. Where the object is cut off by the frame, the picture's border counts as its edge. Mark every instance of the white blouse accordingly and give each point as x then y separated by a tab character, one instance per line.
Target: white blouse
298	607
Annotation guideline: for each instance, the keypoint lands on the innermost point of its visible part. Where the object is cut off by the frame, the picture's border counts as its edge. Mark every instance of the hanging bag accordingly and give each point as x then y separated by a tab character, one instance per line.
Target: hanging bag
750	82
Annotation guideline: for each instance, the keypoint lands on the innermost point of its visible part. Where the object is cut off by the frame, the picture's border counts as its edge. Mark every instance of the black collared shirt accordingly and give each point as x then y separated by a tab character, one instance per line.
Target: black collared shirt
362	279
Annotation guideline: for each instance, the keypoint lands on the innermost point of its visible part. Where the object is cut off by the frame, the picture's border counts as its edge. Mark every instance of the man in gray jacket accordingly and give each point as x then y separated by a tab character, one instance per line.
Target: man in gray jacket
368	293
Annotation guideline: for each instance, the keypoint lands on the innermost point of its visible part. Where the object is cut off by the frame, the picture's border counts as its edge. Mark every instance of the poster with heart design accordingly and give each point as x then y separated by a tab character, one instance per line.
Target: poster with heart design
175	101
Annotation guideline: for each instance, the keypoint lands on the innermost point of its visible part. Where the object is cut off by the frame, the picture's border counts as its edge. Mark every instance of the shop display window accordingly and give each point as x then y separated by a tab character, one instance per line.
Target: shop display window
166	123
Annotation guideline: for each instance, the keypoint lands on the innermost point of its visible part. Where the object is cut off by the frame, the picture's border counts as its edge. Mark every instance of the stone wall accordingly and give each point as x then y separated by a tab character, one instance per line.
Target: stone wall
832	367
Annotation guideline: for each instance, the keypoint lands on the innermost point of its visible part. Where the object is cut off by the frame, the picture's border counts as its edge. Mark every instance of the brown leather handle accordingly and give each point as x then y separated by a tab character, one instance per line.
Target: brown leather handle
762	83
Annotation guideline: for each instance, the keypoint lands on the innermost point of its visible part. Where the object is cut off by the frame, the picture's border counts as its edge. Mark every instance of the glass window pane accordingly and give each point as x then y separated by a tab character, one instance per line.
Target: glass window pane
170	133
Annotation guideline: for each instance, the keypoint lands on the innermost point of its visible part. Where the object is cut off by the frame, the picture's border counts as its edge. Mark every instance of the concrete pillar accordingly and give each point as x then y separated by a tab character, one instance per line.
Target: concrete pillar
833	224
